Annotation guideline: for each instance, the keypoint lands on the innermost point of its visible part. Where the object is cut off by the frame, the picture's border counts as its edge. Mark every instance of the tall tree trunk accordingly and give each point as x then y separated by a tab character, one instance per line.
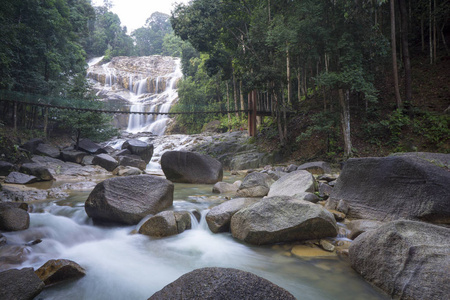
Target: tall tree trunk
299	86
422	36
434	33
430	38
344	101
235	97
228	106
394	56
405	50
288	73
241	96
45	121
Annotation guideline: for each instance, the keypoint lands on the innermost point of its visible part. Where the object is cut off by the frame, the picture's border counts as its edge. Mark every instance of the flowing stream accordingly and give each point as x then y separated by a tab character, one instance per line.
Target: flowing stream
121	264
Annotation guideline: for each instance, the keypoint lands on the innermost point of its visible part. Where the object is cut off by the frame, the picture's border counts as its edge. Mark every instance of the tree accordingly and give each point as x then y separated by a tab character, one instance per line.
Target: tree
150	38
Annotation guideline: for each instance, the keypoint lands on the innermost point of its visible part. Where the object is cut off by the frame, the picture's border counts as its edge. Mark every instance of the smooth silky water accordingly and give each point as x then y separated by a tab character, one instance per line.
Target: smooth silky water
121	264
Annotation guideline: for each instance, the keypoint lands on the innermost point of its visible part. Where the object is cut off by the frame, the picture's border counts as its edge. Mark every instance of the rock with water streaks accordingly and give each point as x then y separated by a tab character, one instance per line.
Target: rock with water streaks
190	167
221	283
129	199
59	270
282	219
395	187
406	259
21	284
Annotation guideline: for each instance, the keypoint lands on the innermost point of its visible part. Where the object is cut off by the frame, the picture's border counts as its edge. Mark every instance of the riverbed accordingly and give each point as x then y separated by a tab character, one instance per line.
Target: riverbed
121	264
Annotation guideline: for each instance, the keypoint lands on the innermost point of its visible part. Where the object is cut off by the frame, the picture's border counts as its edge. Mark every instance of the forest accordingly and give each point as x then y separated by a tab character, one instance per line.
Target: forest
341	78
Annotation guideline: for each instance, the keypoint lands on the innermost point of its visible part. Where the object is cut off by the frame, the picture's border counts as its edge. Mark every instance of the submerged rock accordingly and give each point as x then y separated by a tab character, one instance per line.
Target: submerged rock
395	187
59	270
129	199
189	167
21	284
282	219
221	283
406	259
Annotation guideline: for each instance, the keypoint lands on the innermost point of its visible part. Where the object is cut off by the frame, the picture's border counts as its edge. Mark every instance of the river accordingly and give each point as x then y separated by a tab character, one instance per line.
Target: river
121	264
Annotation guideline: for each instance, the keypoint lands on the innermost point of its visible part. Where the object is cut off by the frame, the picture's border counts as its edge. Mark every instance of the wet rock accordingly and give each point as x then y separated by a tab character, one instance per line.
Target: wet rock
132	161
89	146
357	227
126	171
326	245
394	187
254	185
129	199
59	270
21	284
219	217
6	168
105	161
14	219
87	160
166	223
20	178
406	259
310	197
78	186
317	167
291	168
2	240
139	148
337	215
225	187
282	219
32	144
189	167
47	150
293	183
342	206
324	190
327	177
41	172
28	194
221	283
73	156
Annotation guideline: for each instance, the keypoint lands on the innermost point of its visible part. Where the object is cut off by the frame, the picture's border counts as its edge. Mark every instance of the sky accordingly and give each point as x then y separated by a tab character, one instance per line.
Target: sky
134	13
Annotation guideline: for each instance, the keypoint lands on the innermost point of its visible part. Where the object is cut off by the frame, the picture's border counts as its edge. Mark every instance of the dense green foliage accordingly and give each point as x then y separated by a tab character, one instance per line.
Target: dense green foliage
322	59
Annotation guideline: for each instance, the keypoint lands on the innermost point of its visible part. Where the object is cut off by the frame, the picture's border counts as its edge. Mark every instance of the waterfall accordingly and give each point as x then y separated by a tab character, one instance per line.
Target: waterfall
156	102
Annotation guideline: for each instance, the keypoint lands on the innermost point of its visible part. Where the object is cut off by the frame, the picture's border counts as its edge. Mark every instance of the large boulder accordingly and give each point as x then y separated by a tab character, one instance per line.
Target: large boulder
21	284
32	144
6	168
390	188
48	150
358	227
219	217
73	156
59	270
255	185
41	172
132	161
221	283
128	199
105	161
14	219
190	167
316	167
406	259
139	148
89	146
20	178
126	171
282	219
226	188
293	183
166	223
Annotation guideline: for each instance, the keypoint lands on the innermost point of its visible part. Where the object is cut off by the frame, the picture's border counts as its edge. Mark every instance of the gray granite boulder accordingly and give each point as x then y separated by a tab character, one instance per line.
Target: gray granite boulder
190	167
255	185
41	172
221	283
32	144
166	223
395	187
126	171
128	199
132	161
406	259
14	219
316	167
282	219
6	168
21	284
73	156
47	150
293	183
219	217
139	148
225	187
20	178
57	271
105	161
90	147
358	227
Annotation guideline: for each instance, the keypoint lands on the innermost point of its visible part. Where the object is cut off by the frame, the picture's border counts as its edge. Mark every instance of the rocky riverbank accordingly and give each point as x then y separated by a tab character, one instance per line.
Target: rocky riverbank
397	202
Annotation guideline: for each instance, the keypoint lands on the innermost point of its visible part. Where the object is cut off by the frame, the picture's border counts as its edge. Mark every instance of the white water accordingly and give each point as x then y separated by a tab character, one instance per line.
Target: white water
158	102
123	265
